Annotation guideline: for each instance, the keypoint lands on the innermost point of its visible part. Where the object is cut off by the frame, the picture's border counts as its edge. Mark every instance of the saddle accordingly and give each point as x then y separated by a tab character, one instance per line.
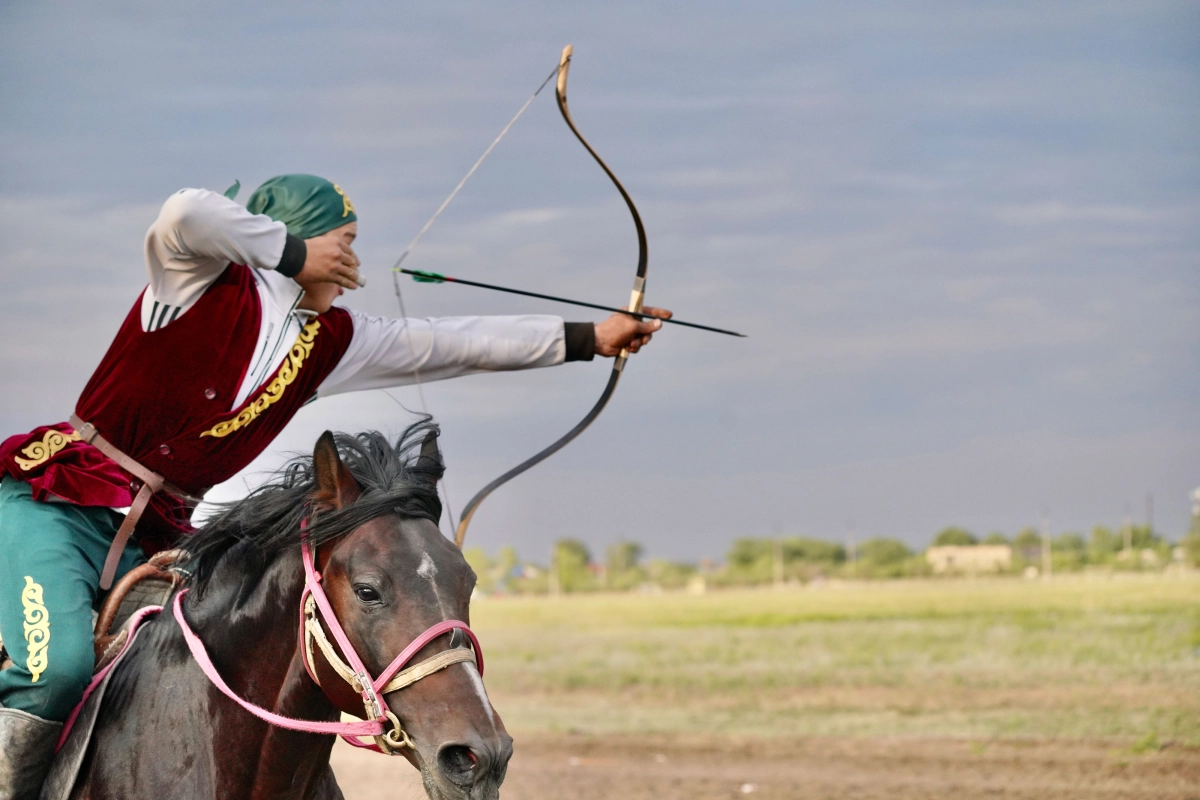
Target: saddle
125	607
148	584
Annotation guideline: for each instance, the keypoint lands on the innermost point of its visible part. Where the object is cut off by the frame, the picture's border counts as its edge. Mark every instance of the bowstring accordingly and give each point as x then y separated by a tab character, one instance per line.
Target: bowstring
467	177
411	245
421	395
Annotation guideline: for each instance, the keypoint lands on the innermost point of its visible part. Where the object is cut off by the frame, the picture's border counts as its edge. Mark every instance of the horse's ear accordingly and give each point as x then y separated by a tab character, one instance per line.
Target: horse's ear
336	486
429	448
430	457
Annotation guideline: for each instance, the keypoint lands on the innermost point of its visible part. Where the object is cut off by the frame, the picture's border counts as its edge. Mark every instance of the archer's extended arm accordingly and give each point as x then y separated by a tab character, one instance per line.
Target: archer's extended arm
396	352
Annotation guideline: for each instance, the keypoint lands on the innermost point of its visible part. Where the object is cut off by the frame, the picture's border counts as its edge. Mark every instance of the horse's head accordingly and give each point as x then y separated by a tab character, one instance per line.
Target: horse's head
390	579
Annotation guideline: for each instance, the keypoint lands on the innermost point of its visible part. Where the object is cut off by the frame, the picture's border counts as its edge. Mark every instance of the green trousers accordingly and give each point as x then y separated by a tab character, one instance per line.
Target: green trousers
51	555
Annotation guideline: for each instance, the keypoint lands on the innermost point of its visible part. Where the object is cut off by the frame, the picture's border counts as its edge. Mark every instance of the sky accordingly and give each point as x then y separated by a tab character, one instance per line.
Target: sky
962	239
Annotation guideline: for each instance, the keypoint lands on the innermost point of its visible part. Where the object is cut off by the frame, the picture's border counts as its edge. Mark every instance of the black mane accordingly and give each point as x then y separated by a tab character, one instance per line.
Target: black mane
394	480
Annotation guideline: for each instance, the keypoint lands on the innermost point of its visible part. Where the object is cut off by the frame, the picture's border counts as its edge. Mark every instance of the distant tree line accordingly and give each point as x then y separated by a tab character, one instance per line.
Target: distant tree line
1128	547
572	569
797	559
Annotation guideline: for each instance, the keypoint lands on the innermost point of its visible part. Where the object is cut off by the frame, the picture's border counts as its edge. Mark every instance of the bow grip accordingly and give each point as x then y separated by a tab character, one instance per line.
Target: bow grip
636	298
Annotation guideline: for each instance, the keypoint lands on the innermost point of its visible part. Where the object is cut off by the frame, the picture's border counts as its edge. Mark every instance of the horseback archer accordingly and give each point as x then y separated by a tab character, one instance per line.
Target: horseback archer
235	331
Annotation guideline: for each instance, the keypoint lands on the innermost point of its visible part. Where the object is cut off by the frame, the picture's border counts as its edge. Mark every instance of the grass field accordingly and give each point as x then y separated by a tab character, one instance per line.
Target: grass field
1088	657
1083	687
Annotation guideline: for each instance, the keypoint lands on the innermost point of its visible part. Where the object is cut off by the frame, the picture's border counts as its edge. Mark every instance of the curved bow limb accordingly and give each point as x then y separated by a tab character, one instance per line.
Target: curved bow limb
636	297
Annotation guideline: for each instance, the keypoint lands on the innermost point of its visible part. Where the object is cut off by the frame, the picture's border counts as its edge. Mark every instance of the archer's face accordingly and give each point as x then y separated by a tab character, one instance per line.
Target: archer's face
319	295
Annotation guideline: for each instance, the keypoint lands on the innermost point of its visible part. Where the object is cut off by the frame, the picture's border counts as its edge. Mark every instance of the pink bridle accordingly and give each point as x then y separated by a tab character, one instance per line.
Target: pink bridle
381	723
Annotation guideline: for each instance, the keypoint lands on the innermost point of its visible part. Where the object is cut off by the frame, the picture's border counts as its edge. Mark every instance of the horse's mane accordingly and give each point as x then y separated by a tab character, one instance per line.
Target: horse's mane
394	480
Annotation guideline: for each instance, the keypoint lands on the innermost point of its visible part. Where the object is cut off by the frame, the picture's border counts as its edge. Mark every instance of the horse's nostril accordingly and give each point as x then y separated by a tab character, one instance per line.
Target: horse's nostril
458	762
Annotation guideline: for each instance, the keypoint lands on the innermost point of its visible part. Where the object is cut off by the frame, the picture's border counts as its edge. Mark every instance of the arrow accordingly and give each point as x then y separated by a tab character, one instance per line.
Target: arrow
433	277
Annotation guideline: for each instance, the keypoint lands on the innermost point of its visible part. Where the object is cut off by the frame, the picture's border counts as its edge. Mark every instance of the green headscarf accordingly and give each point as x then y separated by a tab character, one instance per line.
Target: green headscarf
308	205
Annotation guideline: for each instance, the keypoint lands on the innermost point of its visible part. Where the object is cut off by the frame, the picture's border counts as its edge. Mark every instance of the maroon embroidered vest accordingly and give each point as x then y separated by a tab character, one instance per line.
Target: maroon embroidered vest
162	397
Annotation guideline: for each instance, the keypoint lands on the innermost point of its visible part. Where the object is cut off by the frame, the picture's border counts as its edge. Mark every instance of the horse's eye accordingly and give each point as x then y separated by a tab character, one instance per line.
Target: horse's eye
366	594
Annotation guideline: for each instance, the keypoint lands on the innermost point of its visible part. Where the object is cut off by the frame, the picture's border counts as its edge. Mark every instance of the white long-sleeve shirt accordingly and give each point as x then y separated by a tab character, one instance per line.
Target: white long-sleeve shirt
198	233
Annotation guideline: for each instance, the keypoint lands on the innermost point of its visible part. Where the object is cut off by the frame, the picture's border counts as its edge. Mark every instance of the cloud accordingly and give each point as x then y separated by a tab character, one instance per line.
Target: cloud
1059	213
962	238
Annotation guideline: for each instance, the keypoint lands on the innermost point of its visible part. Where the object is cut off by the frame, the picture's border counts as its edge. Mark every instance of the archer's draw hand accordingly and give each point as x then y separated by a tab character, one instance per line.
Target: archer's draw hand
330	259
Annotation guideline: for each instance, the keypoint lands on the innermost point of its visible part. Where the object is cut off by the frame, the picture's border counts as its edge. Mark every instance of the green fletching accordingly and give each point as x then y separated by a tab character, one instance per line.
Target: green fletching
232	191
421	276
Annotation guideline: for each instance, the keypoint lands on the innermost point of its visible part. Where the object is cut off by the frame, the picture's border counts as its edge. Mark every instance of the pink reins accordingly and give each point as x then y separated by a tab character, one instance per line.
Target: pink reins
372	727
381	724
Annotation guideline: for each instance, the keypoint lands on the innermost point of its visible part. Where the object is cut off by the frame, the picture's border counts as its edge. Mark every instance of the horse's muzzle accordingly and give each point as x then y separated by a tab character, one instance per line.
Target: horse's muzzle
475	767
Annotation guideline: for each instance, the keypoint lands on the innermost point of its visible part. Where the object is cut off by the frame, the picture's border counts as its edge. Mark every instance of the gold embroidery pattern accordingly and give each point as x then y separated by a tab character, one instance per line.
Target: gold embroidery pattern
347	206
287	373
37	628
40	452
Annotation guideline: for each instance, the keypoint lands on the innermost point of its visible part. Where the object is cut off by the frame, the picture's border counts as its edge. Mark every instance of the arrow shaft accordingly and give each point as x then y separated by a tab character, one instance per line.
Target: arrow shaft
433	277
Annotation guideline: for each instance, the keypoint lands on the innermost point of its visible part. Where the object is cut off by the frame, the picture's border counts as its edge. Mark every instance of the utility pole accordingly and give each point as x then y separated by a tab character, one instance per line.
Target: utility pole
1127	530
1047	564
555	584
778	562
851	551
777	553
1150	512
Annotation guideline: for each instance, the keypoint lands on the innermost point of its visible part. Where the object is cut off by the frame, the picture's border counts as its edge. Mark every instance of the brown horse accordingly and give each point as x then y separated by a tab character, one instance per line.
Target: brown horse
370	511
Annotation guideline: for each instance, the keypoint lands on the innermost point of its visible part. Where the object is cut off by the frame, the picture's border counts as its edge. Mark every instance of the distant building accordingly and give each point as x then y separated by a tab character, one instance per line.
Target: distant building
970	558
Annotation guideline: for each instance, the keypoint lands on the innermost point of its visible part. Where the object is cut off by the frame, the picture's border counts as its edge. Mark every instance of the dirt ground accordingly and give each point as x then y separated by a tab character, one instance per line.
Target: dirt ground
1004	689
638	768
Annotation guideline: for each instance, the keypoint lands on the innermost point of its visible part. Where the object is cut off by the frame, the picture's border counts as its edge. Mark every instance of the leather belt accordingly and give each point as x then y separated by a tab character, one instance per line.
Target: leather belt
152	483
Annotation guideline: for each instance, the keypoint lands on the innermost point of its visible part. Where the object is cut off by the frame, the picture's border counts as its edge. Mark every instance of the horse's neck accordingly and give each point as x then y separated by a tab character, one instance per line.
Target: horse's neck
251	629
248	617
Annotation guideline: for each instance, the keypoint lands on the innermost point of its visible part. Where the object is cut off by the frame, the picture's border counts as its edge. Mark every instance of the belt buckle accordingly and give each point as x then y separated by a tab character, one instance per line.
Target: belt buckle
88	432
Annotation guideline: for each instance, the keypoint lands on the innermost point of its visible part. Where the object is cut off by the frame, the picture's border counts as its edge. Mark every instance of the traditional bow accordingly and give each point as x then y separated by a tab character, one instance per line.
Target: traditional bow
635	298
635	304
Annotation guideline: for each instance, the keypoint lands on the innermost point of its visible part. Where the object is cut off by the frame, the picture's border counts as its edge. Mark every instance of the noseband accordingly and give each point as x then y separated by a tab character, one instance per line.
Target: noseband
380	723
